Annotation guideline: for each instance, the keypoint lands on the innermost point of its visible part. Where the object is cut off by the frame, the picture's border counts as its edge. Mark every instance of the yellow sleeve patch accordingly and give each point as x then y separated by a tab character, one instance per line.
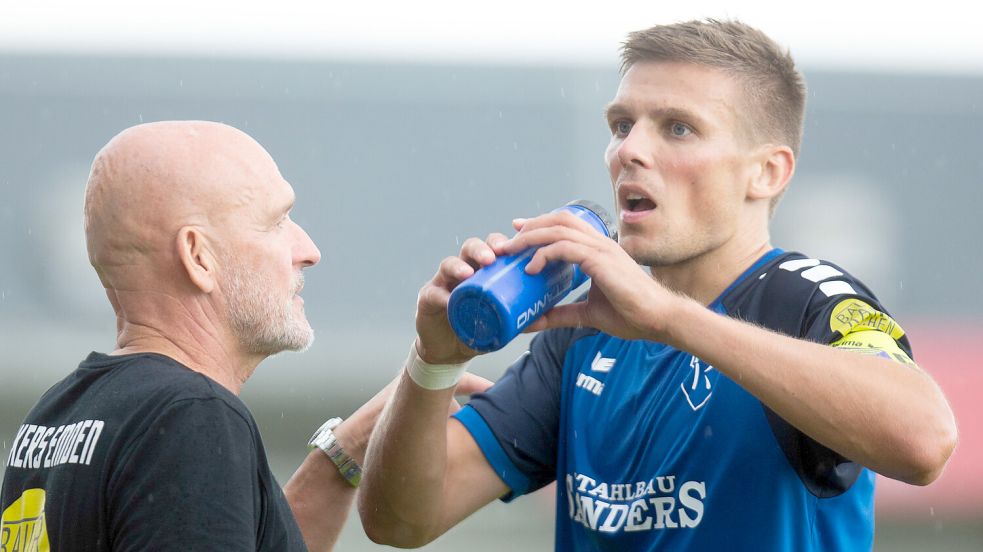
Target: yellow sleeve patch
873	343
853	315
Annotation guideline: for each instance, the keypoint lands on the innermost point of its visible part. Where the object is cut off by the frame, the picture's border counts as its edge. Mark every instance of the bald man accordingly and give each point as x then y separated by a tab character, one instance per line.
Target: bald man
149	447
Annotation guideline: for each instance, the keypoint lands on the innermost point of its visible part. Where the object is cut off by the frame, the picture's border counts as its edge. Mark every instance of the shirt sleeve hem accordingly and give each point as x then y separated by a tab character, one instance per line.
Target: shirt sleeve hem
517	482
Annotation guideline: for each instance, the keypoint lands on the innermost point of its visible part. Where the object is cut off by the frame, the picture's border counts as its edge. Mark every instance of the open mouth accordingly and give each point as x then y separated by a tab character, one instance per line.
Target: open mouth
637	203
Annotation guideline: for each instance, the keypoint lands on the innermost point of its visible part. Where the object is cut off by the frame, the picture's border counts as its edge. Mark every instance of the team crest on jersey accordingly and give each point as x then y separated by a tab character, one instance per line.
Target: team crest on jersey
697	388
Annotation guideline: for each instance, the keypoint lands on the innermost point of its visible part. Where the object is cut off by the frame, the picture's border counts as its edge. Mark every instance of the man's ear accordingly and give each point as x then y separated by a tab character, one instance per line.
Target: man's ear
775	169
196	258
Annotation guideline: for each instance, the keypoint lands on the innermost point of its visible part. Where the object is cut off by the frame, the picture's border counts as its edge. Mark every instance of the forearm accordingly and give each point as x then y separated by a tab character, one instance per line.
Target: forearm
319	496
402	502
888	416
320	499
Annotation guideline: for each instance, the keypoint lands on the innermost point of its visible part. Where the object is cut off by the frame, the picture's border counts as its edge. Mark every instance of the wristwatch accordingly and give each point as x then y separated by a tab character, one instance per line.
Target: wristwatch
324	439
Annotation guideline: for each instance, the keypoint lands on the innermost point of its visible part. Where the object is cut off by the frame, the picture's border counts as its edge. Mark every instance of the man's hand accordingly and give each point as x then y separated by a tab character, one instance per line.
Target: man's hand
436	342
623	301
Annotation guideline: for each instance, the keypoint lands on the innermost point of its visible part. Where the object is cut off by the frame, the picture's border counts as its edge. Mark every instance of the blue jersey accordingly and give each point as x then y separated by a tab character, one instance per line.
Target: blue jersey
654	449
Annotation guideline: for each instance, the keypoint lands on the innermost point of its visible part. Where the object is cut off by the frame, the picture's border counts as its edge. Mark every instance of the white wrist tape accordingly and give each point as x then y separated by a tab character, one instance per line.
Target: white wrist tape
433	376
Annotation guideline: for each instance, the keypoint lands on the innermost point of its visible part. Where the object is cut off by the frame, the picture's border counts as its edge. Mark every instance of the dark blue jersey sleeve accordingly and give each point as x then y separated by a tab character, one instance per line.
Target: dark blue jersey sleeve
516	421
816	300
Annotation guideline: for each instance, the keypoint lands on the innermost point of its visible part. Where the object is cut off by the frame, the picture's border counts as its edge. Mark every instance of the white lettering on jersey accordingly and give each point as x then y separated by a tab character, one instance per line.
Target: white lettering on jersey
38	446
601	364
591	384
630	507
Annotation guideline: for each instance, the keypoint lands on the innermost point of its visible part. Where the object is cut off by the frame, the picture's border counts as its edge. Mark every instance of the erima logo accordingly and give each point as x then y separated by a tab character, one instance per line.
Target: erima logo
601	364
593	385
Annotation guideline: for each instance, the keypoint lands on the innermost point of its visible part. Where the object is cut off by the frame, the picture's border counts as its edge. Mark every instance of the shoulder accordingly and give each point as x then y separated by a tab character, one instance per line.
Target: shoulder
145	396
789	292
162	380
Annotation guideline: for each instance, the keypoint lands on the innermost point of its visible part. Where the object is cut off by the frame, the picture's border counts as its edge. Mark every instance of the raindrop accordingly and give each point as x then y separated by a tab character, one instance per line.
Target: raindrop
180	83
457	240
29	231
140	116
931	511
515	146
563	92
900	284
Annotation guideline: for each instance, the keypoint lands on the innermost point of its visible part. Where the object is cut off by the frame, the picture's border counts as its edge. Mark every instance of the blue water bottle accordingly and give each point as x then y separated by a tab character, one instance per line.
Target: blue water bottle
490	308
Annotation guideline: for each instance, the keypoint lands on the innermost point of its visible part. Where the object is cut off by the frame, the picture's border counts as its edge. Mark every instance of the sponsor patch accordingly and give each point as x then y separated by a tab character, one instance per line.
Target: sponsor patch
873	343
853	315
23	526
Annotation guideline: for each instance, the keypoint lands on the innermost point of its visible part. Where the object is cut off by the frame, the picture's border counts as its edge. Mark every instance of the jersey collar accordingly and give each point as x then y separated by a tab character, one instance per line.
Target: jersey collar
765	259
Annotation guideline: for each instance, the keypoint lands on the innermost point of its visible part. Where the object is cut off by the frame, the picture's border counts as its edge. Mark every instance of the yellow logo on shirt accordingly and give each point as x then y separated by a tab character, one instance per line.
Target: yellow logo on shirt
867	330
853	315
23	527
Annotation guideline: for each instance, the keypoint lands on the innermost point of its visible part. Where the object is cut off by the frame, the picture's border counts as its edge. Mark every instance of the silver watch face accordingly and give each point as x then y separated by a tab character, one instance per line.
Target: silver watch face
323	433
332	423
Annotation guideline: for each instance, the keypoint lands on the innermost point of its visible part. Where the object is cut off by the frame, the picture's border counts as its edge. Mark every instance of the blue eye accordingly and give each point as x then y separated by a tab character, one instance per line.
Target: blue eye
680	130
622	128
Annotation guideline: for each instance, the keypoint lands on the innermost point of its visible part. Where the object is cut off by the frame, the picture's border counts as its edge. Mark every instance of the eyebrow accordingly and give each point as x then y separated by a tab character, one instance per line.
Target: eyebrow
280	213
615	110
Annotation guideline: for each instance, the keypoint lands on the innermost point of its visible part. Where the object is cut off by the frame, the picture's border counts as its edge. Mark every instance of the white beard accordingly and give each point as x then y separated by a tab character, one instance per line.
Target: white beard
261	323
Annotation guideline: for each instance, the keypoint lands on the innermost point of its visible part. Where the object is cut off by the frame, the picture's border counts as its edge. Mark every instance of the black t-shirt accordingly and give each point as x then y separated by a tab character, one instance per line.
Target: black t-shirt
138	452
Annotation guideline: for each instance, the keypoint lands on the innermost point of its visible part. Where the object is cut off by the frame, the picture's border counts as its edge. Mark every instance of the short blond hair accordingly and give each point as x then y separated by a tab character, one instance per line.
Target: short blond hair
775	91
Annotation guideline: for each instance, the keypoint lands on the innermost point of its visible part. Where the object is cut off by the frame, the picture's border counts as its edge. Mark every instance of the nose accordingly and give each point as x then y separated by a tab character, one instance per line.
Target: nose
307	254
636	149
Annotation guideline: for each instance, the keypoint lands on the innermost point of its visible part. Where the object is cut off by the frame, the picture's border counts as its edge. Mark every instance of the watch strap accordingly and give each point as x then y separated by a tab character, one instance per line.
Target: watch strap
324	439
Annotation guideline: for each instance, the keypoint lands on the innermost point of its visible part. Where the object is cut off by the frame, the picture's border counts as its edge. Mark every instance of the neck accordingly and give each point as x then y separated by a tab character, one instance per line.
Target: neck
188	335
705	276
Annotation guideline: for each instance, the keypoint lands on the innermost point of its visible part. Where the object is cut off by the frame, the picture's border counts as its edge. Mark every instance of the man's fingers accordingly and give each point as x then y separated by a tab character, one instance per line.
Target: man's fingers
452	271
566	251
471	383
533	237
495	240
477	252
432	299
573	315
